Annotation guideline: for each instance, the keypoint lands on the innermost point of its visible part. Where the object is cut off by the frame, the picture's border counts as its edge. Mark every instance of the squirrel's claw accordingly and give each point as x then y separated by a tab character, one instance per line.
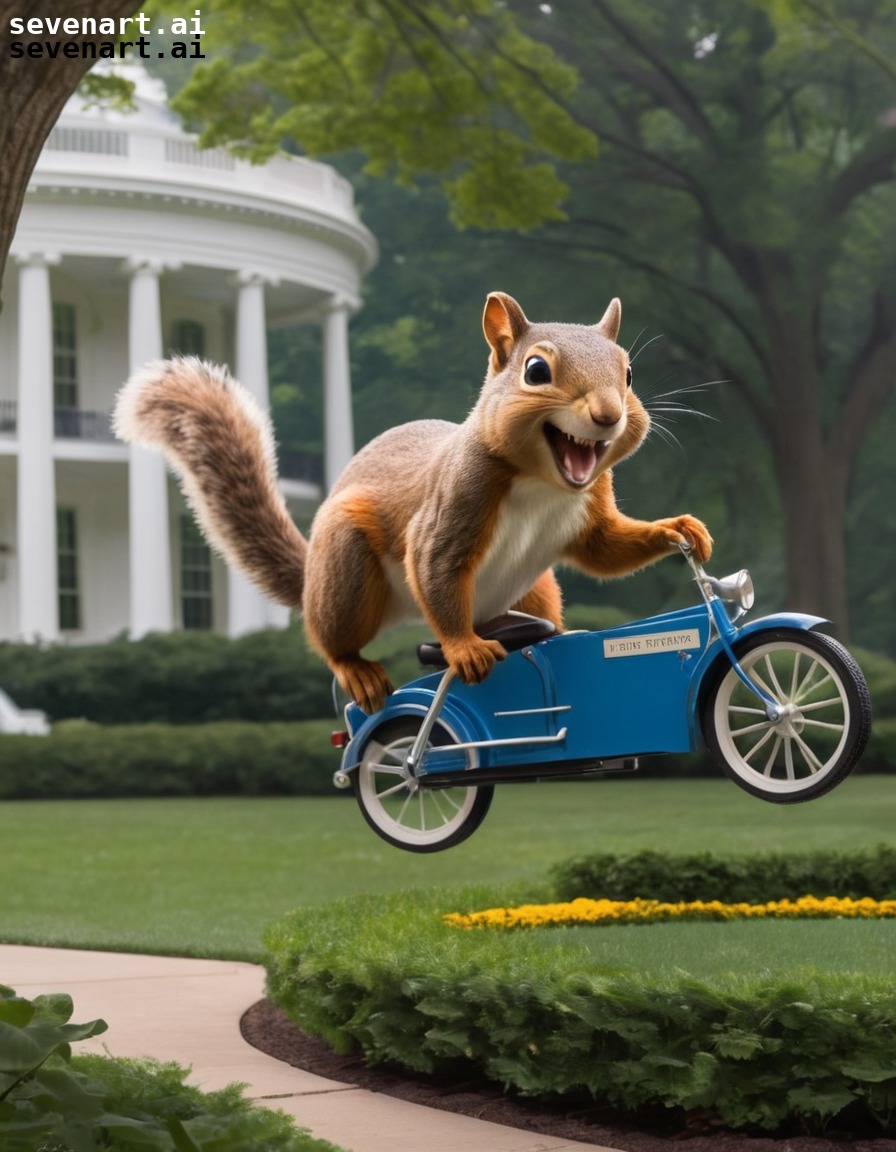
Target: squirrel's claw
365	682
691	531
472	659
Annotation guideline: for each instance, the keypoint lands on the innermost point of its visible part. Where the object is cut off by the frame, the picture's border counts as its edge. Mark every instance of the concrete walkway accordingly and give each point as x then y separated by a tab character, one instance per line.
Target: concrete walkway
189	1011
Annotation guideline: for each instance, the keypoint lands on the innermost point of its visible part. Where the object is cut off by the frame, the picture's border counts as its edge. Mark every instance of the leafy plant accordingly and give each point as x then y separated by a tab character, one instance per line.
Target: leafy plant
50	1100
40	1098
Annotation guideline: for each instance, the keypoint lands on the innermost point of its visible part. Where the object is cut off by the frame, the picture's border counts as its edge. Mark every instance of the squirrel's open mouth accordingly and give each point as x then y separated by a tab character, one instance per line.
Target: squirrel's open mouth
576	458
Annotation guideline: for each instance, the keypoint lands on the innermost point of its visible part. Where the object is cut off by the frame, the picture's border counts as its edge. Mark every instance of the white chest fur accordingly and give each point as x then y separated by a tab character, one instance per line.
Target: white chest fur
535	524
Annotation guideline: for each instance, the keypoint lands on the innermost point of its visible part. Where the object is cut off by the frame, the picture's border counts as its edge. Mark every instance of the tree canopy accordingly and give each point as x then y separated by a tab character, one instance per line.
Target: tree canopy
451	87
746	171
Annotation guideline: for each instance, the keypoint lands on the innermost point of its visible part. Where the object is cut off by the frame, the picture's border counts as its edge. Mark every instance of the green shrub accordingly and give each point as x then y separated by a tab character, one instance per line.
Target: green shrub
79	760
48	1099
880	753
731	879
388	975
173	678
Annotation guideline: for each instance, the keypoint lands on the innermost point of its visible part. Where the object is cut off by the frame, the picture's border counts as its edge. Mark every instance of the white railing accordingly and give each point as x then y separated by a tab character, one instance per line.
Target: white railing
100	141
148	155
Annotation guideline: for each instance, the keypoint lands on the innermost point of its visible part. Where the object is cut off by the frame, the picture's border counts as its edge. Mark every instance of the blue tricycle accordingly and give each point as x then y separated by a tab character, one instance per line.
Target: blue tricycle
783	708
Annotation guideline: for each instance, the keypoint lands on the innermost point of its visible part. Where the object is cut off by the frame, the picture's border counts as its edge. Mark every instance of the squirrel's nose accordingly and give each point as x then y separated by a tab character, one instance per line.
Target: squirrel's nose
607	415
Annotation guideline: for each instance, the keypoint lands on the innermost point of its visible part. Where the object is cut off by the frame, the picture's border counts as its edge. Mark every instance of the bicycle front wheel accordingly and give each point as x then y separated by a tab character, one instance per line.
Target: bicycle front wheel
823	724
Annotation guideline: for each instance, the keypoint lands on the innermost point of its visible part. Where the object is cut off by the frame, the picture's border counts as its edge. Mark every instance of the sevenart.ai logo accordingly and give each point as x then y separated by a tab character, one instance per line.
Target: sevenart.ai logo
105	37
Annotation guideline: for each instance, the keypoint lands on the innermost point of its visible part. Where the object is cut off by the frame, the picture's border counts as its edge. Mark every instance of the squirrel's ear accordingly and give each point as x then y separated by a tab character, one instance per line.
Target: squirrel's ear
609	323
503	322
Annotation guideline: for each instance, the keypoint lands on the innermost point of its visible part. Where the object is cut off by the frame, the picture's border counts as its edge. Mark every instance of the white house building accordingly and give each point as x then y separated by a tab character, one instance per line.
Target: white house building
134	244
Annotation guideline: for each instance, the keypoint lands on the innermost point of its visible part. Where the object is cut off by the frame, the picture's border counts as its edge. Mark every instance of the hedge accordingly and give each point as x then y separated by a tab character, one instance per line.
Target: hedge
386	974
733	880
199	677
174	678
80	760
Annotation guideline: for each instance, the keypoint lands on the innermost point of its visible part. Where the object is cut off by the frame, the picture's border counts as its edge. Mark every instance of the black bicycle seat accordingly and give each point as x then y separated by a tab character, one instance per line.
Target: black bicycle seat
513	630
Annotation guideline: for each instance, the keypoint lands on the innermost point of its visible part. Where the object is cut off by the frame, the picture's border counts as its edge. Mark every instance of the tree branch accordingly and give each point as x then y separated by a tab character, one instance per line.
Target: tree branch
873	165
625	256
661	81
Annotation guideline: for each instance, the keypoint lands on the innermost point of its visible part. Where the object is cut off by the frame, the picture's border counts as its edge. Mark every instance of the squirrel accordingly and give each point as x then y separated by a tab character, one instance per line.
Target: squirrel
456	523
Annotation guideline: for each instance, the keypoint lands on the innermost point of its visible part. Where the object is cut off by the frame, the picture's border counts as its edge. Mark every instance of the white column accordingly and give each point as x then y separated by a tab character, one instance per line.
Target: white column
150	541
248	610
36	500
339	436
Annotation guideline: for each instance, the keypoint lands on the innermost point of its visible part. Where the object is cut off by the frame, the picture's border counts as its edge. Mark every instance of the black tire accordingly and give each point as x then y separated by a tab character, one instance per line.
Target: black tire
405	815
825	721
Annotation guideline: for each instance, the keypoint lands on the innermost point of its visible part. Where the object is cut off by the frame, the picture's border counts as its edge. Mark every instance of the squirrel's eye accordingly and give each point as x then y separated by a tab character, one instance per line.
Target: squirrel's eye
538	371
628	376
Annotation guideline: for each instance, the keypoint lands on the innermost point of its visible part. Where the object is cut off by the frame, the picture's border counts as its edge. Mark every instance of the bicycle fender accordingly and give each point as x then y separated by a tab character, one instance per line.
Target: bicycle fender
413	702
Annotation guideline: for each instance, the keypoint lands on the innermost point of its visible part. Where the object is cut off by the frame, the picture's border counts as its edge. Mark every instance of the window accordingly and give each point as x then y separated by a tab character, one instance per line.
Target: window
188	338
65	356
195	577
69	590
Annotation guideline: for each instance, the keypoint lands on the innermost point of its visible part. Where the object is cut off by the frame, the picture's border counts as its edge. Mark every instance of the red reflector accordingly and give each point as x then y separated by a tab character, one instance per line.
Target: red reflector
339	739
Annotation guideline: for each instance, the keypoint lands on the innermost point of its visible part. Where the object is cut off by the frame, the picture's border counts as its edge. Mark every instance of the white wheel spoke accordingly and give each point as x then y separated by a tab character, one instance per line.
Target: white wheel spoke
812	761
760	683
386	792
388	769
759	744
770	763
795	677
436	805
788	760
816	704
749	729
404	808
779	691
810	684
824	724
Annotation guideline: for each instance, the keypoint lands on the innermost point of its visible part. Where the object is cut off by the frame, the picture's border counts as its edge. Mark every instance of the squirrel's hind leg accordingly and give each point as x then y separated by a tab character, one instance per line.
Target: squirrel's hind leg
346	597
543	599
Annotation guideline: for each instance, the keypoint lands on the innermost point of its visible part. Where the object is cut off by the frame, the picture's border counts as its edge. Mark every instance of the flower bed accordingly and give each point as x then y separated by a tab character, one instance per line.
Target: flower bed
794	1045
639	911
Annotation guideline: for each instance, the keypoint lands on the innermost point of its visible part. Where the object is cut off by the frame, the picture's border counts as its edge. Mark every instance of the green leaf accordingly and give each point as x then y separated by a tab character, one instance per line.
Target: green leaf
16	1011
872	1074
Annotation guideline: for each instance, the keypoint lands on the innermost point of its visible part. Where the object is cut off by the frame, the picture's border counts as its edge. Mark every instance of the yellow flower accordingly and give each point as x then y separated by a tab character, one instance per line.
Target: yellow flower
639	911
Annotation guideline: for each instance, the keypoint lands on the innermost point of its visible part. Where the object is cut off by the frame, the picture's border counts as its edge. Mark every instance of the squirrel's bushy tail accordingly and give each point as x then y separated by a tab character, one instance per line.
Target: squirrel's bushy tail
220	443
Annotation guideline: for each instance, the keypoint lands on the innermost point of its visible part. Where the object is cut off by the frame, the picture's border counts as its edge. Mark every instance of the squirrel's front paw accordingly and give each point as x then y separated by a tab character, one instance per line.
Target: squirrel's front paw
472	660
691	531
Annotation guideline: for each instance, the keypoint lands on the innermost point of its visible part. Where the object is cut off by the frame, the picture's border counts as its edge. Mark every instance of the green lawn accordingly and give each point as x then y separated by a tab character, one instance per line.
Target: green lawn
205	877
752	948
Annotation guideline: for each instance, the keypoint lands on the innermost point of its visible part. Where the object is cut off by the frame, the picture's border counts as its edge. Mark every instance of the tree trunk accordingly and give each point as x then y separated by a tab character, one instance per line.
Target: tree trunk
814	505
813	486
33	92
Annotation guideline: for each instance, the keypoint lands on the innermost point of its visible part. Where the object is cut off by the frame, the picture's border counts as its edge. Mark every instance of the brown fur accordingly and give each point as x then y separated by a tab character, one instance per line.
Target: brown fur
454	522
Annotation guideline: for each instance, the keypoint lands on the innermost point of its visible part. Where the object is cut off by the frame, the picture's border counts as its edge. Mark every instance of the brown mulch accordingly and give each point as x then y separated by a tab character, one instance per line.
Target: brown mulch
266	1027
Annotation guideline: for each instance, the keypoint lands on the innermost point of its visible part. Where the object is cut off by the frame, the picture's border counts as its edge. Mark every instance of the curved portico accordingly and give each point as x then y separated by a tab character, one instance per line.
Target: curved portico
134	244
